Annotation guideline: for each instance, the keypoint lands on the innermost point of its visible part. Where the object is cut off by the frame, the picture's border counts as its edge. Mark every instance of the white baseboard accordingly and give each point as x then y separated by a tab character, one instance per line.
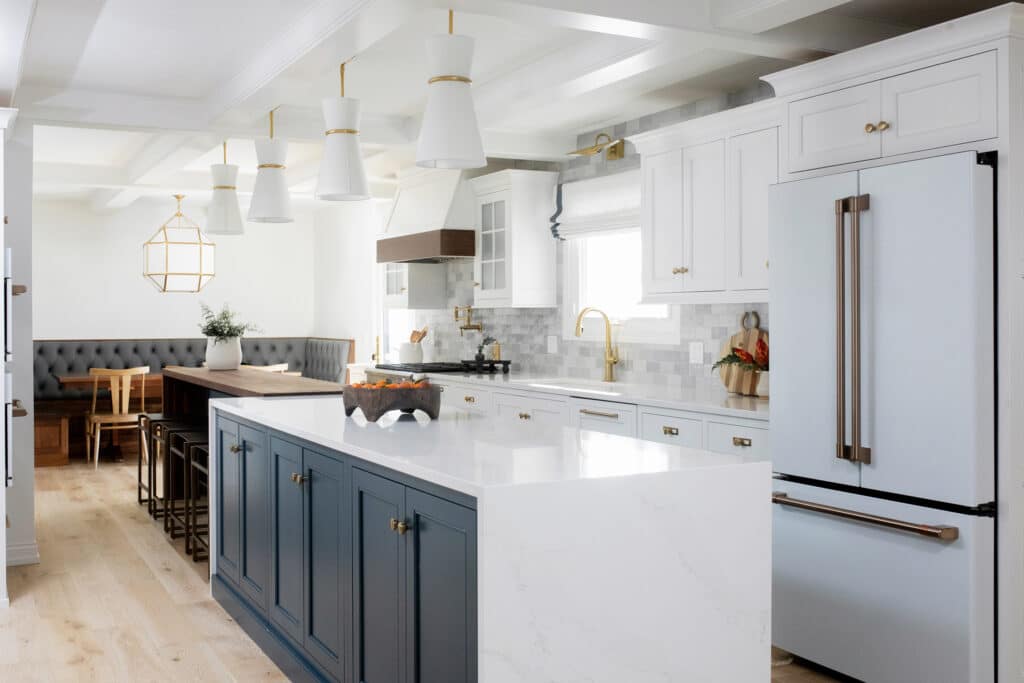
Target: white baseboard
22	553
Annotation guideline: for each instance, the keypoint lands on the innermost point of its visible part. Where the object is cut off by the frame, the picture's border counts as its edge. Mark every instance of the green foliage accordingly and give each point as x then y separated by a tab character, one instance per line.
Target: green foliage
485	342
222	326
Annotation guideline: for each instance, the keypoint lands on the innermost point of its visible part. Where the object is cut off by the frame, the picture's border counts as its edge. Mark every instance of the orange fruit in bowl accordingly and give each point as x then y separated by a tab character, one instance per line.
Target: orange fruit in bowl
406	385
392	386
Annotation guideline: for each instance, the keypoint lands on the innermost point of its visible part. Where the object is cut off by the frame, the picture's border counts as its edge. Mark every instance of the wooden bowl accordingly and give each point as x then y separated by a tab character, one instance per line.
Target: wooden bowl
376	402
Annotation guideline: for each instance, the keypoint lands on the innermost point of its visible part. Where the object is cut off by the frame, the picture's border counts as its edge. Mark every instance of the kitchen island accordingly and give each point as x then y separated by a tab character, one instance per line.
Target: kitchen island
469	549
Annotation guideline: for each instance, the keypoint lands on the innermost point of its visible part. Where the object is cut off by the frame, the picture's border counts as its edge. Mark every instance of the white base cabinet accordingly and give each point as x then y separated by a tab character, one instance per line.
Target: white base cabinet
530	410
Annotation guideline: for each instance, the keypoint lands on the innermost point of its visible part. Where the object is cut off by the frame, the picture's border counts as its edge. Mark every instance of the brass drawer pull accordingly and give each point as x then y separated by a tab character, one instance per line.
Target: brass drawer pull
941	533
469	399
235	448
598	413
670	431
742	442
681	270
524	416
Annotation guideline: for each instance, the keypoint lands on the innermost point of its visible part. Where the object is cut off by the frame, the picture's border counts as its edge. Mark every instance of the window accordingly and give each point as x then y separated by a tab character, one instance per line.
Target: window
603	270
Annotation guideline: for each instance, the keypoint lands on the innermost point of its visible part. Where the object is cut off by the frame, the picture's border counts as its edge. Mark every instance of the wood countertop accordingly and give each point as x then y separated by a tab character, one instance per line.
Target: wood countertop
249	382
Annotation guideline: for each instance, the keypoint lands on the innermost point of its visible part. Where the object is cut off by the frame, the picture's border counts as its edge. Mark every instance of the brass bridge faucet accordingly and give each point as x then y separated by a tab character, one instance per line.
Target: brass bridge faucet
611	355
466	320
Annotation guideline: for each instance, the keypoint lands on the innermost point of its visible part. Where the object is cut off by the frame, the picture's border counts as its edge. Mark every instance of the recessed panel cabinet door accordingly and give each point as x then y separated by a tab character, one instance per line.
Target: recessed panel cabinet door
829	129
287	538
704	217
441	585
661	224
328	555
752	167
254	571
229	526
379	581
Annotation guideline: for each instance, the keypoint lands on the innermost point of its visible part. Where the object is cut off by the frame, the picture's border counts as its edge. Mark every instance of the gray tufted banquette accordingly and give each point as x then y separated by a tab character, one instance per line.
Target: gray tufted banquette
312	356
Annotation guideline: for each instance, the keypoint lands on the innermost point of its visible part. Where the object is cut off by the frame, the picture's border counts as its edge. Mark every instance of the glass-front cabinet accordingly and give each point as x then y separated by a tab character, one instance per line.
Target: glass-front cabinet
491	275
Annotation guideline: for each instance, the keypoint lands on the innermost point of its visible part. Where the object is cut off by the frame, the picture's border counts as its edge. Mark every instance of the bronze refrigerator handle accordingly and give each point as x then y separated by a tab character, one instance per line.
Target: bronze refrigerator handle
841	451
17	409
858	204
938	532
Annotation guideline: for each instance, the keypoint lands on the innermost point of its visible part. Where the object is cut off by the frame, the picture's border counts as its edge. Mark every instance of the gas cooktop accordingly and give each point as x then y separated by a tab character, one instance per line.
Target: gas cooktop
464	366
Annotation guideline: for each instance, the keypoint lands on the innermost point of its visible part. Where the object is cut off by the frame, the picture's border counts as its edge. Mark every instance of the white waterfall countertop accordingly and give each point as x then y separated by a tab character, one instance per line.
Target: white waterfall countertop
600	558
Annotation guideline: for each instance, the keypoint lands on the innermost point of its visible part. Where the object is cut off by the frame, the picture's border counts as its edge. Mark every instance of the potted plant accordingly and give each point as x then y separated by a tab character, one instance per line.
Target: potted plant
223	338
756	362
480	358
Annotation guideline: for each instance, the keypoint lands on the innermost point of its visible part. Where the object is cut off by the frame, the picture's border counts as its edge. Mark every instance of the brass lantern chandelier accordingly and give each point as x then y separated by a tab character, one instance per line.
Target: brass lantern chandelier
179	257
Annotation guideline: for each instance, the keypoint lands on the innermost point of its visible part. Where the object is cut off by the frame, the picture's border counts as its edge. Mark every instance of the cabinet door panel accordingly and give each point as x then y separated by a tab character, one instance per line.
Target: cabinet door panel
379	566
661	225
829	129
753	167
328	554
287	538
254	571
704	217
441	581
229	525
942	105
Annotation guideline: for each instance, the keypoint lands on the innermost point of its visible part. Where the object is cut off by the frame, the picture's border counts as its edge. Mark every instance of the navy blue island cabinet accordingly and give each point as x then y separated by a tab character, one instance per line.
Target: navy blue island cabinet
339	569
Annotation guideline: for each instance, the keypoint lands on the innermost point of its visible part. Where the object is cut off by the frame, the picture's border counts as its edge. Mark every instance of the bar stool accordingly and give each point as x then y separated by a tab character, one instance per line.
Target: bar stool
176	520
145	419
159	462
198	541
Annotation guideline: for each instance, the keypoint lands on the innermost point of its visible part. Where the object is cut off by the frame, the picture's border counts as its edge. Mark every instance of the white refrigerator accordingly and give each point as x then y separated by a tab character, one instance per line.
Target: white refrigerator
883	366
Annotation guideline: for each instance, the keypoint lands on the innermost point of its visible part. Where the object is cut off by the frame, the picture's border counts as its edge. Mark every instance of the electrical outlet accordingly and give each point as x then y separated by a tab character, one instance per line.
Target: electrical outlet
696	353
552	343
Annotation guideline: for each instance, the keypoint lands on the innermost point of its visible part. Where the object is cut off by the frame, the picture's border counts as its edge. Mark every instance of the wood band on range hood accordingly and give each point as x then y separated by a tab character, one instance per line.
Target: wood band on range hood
433	246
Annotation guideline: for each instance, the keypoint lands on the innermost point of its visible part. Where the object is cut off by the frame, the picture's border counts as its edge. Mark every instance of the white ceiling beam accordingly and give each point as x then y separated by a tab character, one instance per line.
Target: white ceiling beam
15	22
755	16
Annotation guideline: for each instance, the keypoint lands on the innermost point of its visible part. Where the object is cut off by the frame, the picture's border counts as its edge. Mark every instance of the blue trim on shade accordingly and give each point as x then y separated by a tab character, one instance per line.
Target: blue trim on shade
558	212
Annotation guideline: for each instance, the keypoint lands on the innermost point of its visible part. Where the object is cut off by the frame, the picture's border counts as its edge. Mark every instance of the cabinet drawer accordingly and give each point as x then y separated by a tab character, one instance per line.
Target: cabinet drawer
724	437
830	129
466	398
672	429
531	410
604	416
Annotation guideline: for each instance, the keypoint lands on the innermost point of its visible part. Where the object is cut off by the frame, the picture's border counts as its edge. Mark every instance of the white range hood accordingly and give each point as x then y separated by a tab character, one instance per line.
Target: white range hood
432	219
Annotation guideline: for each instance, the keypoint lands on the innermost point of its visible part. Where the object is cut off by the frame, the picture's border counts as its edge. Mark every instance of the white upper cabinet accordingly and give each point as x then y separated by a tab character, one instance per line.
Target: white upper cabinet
704	193
704	217
937	106
940	106
835	128
752	167
515	250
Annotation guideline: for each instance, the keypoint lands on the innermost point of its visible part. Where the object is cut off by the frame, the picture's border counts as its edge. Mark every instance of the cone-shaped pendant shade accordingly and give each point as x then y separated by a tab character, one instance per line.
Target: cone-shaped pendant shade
223	217
450	135
270	200
342	176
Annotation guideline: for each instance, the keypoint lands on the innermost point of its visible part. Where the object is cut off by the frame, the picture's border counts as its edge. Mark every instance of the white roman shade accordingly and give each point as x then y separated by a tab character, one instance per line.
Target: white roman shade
607	204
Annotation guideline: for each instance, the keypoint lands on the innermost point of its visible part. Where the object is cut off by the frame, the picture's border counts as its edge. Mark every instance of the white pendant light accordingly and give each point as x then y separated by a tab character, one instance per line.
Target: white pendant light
178	257
270	200
223	217
450	135
342	176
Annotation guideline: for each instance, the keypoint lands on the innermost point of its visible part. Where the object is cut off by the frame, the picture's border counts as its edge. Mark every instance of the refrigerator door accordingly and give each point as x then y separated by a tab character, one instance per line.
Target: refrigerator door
880	604
8	307
804	329
927	343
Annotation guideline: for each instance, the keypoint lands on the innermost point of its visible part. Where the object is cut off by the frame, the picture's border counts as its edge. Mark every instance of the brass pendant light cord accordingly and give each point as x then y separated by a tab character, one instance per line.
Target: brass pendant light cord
271	124
451	21
225	145
342	79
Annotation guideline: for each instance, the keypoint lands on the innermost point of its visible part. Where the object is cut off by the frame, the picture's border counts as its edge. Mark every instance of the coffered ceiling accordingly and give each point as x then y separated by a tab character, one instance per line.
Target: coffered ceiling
133	97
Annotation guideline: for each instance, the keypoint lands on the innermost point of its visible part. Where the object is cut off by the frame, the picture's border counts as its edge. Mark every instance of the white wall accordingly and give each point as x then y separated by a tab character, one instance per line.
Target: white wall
88	283
347	277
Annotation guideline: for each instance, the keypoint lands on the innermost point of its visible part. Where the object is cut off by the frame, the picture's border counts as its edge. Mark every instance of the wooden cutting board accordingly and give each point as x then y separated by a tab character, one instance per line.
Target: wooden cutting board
739	381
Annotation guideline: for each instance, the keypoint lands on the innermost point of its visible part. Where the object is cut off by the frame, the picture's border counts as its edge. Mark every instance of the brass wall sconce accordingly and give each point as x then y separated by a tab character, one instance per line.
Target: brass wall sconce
613	149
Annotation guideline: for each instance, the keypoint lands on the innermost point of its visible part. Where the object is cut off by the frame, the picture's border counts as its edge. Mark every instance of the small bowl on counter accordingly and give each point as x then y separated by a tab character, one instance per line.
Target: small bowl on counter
375	400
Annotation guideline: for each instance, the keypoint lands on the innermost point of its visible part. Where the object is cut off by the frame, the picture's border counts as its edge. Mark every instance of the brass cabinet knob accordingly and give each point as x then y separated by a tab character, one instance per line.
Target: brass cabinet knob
235	448
870	128
476	284
670	431
524	416
742	442
681	270
883	125
393	524
469	399
298	478
402	527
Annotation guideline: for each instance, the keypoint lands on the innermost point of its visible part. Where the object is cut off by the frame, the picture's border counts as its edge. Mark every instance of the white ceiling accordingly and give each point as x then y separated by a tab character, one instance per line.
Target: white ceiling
133	97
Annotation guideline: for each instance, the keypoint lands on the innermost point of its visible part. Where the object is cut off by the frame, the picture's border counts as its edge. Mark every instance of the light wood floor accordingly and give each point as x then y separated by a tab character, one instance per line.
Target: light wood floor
114	600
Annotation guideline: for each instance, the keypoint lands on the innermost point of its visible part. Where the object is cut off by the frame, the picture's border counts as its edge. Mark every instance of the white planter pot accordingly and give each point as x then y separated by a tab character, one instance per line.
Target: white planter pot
223	355
408	352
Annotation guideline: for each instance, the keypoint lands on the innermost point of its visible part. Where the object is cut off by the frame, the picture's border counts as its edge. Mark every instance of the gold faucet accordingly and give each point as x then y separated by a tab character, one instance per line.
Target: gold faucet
467	320
611	356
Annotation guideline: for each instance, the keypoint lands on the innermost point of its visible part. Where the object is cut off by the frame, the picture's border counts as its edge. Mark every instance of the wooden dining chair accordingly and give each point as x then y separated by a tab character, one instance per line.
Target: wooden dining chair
120	395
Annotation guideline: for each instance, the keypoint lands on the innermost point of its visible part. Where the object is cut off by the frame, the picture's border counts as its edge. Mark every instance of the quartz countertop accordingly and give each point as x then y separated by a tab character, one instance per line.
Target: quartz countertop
715	401
473	453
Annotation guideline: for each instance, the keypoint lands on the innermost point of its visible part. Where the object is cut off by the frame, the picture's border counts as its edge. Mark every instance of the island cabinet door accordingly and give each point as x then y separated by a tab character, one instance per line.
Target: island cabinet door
287	538
441	612
229	525
254	570
328	568
378	506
